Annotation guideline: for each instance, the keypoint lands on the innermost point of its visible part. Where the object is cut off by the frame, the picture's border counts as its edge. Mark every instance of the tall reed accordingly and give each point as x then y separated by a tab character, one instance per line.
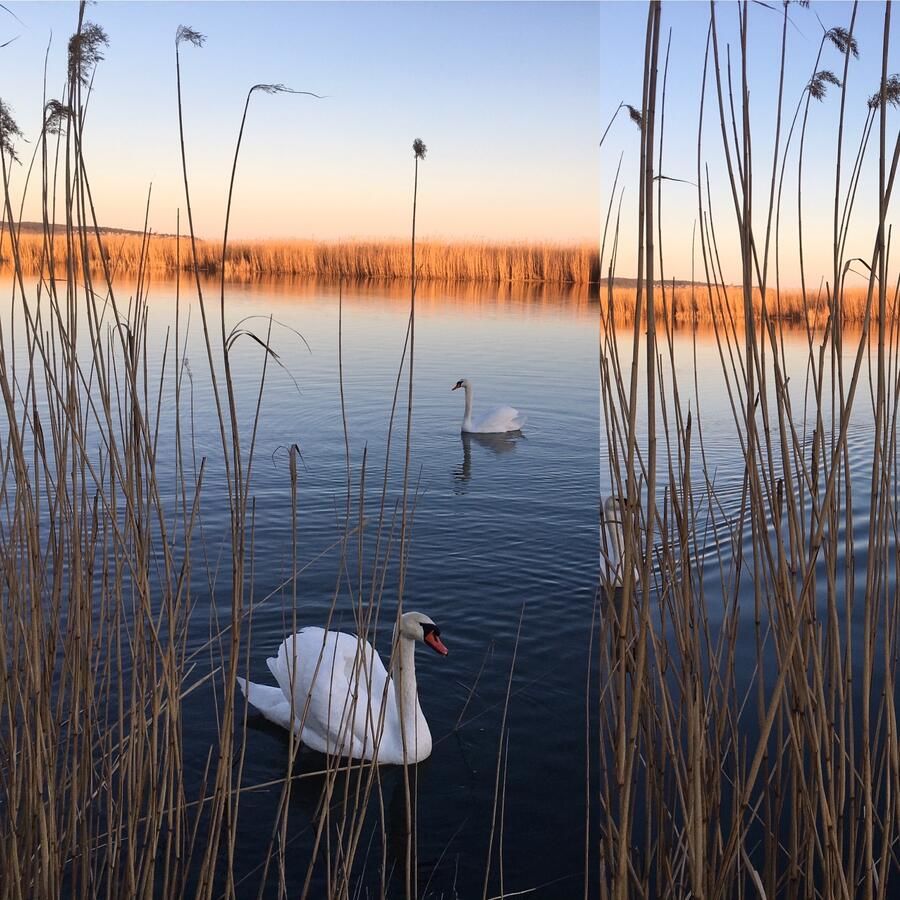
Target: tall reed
708	776
104	557
780	779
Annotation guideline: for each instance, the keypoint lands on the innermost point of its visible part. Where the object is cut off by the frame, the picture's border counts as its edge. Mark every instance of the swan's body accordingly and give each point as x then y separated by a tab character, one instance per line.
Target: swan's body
614	551
336	694
497	421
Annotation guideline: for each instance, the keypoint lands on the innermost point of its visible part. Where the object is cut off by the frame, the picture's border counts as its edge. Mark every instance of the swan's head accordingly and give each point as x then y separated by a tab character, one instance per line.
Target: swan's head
460	384
418	627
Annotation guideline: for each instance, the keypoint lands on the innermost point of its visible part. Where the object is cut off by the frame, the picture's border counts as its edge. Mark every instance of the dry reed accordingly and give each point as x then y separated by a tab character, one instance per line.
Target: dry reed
511	264
522	262
746	735
709	777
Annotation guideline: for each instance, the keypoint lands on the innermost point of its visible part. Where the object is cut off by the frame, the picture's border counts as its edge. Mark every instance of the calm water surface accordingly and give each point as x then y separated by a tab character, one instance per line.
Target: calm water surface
500	526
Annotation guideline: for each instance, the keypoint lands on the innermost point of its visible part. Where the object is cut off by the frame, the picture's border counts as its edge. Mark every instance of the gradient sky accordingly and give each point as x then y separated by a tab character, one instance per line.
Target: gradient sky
511	99
505	96
621	79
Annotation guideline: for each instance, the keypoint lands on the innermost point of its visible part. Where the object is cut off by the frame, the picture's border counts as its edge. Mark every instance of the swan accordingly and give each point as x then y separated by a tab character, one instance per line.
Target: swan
344	700
497	421
613	553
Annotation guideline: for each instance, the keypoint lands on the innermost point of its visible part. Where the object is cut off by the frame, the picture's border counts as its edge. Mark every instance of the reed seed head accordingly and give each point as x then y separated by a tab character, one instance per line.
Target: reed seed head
635	115
55	113
187	35
282	89
271	89
85	51
843	40
9	131
419	149
891	93
818	84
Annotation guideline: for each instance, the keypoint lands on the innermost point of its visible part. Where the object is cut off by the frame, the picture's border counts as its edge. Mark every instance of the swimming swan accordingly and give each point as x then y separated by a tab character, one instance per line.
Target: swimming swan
497	421
352	706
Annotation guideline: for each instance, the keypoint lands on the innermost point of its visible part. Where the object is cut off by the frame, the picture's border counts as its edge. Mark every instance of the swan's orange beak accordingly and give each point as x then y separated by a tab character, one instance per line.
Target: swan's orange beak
435	643
456	386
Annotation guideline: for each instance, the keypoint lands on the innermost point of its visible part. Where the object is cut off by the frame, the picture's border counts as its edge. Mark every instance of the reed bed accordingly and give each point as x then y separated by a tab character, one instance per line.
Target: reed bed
514	264
437	261
685	305
103	563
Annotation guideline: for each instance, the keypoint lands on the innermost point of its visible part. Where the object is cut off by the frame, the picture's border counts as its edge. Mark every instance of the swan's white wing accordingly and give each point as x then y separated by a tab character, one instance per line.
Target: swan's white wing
340	682
270	701
504	418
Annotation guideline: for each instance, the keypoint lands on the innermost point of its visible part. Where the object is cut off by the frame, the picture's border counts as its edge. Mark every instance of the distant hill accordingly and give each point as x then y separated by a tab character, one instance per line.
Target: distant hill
38	228
632	282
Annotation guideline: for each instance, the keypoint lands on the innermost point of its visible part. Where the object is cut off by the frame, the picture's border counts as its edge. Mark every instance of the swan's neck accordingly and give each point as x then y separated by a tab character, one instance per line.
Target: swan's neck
413	728
467	418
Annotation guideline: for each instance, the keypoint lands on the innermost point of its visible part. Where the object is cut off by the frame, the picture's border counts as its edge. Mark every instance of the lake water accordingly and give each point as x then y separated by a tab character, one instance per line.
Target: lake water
503	529
499	524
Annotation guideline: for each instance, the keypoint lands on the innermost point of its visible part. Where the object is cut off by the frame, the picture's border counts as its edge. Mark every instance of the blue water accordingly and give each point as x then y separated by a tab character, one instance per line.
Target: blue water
500	525
503	531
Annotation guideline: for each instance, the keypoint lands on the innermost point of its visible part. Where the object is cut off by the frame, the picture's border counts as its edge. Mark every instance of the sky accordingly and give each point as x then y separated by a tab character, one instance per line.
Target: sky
504	95
688	23
511	99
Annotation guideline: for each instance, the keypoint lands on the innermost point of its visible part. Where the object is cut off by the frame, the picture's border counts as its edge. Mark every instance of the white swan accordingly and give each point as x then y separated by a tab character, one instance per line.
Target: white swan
613	553
497	421
344	698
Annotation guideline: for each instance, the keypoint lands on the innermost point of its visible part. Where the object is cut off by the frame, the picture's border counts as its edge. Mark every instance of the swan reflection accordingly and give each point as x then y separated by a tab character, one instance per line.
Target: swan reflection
496	443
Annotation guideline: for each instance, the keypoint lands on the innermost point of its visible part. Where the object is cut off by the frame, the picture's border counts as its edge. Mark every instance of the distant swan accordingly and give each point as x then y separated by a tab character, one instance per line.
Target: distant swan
497	421
350	699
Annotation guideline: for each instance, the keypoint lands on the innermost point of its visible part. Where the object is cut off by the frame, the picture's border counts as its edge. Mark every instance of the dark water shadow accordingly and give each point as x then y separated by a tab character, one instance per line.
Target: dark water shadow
385	834
498	444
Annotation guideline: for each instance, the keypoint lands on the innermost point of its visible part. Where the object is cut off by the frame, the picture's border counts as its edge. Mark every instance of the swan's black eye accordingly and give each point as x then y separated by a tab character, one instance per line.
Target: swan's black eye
428	628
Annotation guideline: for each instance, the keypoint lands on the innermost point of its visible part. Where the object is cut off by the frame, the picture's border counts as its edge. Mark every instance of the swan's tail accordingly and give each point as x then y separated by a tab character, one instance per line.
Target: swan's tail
518	423
270	701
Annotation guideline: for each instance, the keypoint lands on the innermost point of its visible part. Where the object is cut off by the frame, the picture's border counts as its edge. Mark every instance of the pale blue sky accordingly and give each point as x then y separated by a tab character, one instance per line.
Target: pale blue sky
621	73
506	96
511	99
